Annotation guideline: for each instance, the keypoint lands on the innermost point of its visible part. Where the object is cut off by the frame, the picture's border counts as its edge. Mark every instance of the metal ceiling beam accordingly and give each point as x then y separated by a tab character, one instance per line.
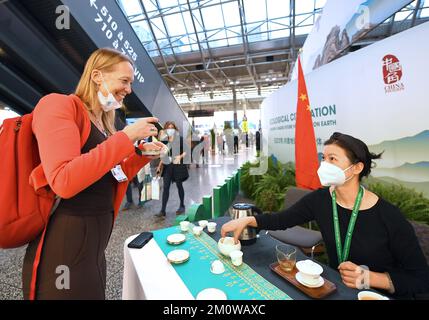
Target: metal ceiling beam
158	47
292	17
415	13
208	47
235	67
246	84
198	42
245	38
201	5
169	39
169	42
226	59
142	6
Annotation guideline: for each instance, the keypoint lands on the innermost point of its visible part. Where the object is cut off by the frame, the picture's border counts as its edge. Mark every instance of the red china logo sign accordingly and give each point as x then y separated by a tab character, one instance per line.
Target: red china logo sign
392	74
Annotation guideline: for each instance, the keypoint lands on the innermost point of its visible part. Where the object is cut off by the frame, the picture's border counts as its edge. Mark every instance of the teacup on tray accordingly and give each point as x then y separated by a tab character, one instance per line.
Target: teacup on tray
309	273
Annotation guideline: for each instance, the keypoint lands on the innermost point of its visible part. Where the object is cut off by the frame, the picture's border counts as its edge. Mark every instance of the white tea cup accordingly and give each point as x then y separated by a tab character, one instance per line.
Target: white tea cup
197	230
217	267
211	227
369	295
203	223
236	257
184	225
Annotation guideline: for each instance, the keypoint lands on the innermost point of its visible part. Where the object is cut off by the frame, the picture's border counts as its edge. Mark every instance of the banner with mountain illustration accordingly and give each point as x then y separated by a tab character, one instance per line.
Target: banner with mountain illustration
378	94
342	24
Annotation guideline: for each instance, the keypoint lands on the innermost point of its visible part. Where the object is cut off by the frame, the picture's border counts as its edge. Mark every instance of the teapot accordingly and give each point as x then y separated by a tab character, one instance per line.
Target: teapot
241	210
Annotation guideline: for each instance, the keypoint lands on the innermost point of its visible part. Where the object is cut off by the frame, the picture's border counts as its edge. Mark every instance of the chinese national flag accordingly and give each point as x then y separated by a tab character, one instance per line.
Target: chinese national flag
305	141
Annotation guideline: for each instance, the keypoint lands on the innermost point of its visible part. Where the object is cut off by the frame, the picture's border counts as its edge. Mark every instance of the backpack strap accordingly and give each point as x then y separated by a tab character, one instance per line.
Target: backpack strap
36	261
36	265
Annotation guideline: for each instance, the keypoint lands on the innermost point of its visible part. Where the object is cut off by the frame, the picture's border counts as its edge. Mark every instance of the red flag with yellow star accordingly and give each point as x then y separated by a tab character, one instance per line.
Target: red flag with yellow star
305	142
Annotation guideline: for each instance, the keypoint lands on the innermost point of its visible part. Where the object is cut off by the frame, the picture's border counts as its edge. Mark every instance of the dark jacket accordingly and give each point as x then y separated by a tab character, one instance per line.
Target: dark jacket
178	172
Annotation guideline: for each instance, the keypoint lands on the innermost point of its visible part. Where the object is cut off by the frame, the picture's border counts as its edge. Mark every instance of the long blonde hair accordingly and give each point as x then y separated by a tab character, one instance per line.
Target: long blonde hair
104	59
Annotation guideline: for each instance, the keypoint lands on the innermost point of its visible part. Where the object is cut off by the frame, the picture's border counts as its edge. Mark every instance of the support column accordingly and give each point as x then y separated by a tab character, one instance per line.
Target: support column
234	105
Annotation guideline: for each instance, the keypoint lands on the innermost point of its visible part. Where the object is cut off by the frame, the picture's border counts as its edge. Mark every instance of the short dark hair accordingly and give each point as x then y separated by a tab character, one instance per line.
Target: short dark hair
356	151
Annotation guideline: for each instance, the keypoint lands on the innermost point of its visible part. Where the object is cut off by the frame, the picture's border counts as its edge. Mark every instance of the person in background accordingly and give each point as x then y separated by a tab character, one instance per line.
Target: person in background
206	147
229	137
358	228
235	142
88	164
258	141
129	194
172	168
203	149
219	141
195	149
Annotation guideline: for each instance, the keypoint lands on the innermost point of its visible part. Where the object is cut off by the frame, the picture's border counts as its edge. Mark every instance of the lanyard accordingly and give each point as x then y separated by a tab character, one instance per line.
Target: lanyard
343	255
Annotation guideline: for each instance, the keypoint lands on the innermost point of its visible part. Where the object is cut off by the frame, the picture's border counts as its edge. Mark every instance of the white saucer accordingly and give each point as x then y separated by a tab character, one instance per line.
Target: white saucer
298	277
178	256
176	238
211	294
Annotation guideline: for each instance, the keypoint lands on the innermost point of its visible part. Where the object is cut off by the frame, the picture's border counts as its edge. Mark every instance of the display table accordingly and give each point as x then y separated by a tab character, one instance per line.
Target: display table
149	275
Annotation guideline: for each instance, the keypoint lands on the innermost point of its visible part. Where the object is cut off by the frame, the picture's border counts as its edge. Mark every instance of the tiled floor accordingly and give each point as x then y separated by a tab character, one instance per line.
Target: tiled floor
133	221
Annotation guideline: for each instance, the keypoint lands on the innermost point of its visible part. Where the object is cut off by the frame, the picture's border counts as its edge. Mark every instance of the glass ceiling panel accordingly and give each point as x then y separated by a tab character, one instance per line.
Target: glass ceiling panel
218	43
217	22
233	38
303	30
320	4
175	25
213	17
132	7
304	19
231	14
278	9
197	19
188	22
279	24
279	34
255	10
142	30
403	15
148	4
304	6
166	3
158	28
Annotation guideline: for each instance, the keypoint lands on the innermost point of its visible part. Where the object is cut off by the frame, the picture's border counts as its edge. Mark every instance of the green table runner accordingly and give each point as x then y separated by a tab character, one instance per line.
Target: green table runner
239	283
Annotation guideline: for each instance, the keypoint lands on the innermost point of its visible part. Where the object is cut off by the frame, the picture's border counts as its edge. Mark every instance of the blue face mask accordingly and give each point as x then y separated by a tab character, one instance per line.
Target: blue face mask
170	132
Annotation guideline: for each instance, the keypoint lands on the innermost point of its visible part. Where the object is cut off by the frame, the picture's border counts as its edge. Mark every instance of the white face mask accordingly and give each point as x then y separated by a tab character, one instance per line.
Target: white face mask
331	175
108	103
170	132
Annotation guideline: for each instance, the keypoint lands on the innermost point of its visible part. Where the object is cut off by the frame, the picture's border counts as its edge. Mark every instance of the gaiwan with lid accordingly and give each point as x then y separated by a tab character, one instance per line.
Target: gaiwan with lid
310	271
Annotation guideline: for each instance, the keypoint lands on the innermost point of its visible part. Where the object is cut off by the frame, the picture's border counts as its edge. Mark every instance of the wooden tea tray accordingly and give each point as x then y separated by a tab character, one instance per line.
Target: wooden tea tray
317	293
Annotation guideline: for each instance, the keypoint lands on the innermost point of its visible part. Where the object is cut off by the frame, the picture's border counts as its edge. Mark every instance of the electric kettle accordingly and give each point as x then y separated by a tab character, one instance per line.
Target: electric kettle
241	210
